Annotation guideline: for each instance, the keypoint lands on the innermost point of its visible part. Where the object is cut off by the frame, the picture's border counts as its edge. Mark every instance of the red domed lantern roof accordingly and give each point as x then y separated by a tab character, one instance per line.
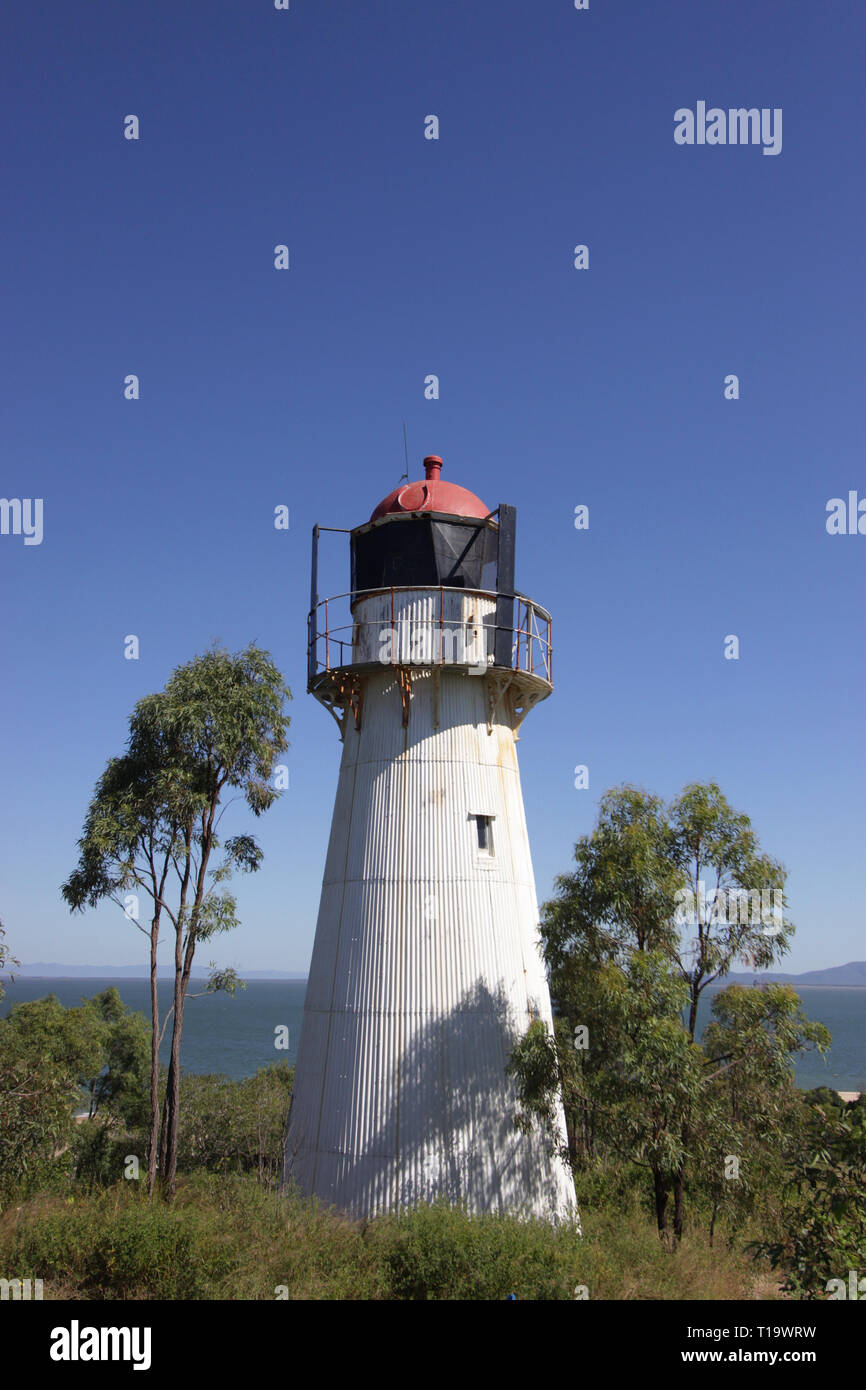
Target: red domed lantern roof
431	495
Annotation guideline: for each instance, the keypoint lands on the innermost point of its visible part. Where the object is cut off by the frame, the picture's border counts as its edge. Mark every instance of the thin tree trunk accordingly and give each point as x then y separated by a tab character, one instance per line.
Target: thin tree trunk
169	1137
661	1201
679	1201
680	1183
680	1187
177	1032
173	1098
694	1001
183	958
154	1063
163	1130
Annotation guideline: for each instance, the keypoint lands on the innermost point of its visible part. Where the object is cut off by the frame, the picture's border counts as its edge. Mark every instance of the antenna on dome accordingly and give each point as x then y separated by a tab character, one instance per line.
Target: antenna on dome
406	452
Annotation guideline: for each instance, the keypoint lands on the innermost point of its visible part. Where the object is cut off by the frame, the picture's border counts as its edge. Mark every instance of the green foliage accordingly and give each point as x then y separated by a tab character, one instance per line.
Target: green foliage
824	1234
629	1091
153	824
220	722
438	1252
52	1058
120	1246
535	1064
623	893
223	981
825	1098
753	1038
235	1126
36	1100
627	978
711	837
750	1106
70	1038
634	873
227	1237
658	1074
121	1085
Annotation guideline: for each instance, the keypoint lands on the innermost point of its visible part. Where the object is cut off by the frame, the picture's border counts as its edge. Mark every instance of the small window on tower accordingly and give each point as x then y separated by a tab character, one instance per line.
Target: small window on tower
484	831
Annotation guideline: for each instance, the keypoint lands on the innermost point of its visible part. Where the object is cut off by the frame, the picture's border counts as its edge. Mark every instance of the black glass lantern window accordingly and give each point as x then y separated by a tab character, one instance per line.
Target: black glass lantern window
425	552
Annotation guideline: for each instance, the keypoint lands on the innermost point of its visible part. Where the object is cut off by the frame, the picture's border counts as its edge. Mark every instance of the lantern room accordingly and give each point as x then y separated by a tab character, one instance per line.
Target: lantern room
432	585
427	534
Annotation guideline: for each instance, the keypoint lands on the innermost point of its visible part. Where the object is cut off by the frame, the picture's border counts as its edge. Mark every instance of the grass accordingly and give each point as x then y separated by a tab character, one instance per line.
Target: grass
227	1237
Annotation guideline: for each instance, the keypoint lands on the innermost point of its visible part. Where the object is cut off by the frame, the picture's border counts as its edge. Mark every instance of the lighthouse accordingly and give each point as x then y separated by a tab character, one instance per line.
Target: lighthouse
426	967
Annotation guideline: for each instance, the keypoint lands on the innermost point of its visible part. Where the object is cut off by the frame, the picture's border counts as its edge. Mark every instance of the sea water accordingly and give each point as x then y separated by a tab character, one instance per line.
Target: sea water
235	1035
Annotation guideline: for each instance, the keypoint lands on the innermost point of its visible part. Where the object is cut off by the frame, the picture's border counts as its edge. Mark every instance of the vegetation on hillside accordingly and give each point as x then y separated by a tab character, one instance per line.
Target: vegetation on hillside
716	1125
755	1188
230	1237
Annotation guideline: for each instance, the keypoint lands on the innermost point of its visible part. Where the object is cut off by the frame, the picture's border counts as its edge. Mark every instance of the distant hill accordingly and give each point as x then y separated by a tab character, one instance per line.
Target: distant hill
55	970
852	975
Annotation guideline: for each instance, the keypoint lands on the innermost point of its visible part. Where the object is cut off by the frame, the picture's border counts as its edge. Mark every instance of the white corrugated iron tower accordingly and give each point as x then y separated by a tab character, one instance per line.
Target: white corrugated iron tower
426	966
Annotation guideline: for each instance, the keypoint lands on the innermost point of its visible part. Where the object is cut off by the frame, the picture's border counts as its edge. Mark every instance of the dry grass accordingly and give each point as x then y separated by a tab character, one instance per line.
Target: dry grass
228	1238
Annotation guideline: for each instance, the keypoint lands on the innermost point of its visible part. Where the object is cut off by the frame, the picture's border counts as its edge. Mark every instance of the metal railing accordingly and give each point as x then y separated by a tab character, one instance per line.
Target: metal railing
335	634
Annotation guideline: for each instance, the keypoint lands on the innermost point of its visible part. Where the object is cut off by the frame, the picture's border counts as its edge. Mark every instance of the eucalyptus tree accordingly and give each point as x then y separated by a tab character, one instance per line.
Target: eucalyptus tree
739	915
639	885
750	1105
153	825
624	914
627	1071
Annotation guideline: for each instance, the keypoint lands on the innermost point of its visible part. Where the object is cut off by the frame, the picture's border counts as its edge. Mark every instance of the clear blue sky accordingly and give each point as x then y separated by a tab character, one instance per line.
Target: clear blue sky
558	387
